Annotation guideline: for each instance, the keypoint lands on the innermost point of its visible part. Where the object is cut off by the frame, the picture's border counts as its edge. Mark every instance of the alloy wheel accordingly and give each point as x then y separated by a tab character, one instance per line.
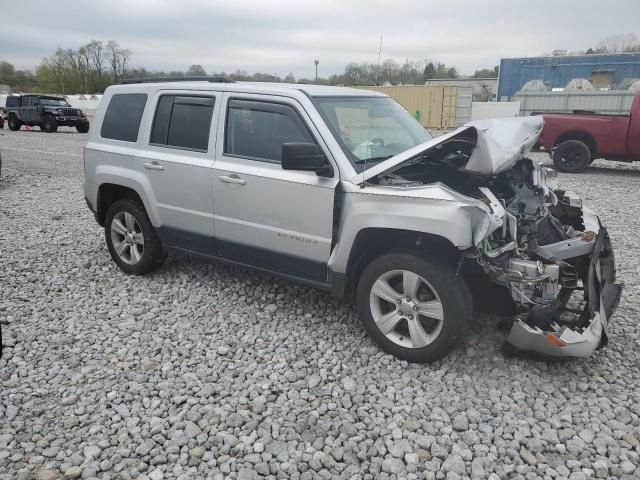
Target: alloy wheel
127	238
406	309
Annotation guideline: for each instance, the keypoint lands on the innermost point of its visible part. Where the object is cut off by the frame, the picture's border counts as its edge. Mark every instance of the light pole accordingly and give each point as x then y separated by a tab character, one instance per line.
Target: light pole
316	61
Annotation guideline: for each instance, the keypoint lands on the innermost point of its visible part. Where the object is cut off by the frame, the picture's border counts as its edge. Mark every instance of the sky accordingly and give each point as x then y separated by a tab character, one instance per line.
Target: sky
286	36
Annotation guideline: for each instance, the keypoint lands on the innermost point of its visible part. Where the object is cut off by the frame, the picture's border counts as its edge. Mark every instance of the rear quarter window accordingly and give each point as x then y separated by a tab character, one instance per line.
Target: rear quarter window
122	118
13	102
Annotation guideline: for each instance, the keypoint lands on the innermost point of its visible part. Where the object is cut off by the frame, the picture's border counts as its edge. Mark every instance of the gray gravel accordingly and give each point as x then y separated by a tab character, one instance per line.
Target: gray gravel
206	371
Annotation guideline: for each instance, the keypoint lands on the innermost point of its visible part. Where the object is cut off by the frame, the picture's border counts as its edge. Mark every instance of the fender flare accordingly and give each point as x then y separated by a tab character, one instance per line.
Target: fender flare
133	180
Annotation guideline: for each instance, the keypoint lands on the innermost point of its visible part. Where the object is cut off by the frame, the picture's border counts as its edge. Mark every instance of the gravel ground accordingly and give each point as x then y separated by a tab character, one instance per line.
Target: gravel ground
207	371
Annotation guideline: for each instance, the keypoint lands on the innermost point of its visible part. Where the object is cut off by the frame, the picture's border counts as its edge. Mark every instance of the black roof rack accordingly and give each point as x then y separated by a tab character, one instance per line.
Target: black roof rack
218	79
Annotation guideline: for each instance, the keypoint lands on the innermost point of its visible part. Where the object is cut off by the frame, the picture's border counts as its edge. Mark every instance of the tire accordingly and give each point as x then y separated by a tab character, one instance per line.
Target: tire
412	336
572	156
82	127
50	125
132	241
14	123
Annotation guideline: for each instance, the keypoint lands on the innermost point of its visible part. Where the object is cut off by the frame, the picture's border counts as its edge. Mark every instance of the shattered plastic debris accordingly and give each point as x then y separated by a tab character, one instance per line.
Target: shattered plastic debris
588	236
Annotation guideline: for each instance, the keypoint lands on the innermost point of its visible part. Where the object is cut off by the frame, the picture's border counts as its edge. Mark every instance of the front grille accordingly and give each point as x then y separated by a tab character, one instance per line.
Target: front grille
70	112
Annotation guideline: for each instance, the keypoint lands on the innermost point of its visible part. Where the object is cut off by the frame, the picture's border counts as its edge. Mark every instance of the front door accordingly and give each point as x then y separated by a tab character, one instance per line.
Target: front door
176	157
272	218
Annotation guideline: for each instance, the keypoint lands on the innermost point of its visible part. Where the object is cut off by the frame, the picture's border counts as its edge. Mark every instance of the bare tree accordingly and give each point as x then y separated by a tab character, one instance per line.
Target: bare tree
390	70
59	65
90	68
84	63
626	42
96	52
118	59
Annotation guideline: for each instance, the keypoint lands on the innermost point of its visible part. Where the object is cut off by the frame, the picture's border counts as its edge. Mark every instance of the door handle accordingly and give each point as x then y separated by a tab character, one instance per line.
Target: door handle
152	166
232	179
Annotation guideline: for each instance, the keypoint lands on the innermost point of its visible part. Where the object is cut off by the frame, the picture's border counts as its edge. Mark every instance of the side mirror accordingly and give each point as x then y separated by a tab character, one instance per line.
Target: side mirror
305	157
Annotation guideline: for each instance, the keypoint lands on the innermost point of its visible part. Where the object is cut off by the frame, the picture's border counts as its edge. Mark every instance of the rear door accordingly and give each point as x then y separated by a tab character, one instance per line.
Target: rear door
272	218
26	112
176	156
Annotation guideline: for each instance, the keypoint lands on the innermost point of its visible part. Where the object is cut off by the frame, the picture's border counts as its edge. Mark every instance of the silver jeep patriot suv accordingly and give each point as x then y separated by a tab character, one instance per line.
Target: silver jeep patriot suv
343	190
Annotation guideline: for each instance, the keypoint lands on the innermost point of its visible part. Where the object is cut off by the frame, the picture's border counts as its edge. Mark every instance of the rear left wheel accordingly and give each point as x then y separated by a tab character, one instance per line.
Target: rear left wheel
131	239
414	308
14	123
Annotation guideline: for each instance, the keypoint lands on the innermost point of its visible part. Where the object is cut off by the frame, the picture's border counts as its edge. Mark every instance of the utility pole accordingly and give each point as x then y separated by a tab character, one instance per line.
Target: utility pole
379	55
406	71
316	61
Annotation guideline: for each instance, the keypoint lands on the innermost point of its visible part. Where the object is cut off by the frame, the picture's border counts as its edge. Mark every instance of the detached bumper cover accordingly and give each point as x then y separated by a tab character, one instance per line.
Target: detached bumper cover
602	295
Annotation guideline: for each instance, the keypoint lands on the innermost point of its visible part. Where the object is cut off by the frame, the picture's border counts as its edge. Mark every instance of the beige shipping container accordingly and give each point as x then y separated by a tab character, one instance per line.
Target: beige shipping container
432	106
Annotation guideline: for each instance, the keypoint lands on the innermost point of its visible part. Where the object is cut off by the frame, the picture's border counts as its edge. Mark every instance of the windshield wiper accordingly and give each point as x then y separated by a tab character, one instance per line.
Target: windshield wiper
374	159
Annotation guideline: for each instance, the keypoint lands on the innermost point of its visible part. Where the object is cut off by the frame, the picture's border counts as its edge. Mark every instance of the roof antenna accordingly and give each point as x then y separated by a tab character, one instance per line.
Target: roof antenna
379	55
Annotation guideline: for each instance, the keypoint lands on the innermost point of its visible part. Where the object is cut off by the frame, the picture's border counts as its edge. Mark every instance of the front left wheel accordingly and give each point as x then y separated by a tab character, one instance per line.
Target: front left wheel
50	125
414	308
132	241
82	127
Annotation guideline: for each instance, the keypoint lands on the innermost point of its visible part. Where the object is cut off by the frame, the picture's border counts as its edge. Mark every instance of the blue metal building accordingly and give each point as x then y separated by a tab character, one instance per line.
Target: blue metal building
603	70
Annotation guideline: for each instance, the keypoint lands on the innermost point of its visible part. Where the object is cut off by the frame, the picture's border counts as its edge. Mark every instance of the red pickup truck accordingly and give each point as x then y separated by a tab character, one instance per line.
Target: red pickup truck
574	140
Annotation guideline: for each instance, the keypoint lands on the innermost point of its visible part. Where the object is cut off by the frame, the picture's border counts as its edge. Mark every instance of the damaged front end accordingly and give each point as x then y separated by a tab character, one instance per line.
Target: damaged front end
545	248
556	260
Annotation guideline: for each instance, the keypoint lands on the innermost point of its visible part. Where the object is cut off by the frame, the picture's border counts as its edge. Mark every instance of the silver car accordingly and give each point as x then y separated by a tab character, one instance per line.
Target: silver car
343	190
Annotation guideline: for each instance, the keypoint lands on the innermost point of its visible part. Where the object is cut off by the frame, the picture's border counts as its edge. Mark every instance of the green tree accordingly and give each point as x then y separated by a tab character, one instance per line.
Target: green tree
429	71
486	72
196	71
7	73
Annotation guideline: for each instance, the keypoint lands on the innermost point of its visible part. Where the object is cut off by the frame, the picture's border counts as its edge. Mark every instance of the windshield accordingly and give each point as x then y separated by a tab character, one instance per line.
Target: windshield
54	102
371	129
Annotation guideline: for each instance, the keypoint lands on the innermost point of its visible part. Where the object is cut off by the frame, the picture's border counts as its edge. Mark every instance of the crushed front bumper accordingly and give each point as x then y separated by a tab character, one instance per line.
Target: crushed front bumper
601	297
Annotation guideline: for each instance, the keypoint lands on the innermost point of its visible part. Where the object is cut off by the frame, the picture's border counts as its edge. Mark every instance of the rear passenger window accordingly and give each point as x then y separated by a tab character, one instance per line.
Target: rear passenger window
258	129
13	101
122	118
183	121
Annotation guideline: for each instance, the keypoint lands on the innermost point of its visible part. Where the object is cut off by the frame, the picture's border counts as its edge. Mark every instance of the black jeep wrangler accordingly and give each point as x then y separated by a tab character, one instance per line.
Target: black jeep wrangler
45	112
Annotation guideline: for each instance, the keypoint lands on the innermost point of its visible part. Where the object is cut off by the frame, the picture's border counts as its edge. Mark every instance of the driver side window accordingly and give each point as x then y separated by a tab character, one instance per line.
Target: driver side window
257	130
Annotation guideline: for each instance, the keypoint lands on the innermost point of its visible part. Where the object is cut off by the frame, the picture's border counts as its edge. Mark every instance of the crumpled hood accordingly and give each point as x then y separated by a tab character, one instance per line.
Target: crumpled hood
500	144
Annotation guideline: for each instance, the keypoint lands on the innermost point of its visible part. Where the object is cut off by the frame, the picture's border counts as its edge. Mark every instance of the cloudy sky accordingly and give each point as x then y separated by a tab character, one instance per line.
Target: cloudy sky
285	36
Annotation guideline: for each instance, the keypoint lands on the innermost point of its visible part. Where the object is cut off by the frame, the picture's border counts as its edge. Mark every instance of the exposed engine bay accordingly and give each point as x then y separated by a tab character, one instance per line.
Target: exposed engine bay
552	254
